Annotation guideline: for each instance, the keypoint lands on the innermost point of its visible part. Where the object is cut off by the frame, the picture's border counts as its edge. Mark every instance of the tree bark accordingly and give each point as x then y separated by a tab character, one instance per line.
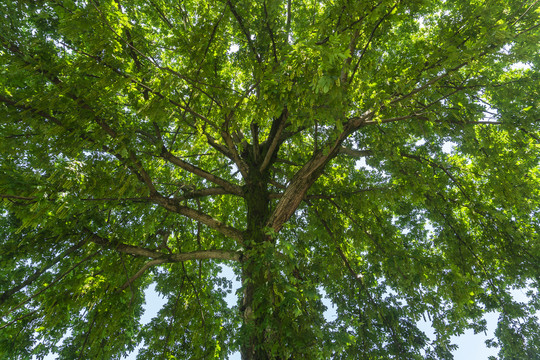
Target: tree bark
255	277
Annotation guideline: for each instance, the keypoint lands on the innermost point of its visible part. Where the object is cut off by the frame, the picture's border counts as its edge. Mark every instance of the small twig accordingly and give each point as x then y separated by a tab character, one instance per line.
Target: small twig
127	276
54	282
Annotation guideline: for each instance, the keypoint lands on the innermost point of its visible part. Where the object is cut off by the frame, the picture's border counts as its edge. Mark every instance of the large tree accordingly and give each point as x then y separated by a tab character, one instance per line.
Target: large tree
382	153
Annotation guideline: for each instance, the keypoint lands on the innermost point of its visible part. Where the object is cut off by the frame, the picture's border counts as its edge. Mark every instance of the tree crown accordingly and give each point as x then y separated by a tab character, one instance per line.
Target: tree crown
383	153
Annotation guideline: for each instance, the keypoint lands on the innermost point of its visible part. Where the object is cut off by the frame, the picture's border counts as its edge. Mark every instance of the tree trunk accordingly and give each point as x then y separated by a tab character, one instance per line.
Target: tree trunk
256	282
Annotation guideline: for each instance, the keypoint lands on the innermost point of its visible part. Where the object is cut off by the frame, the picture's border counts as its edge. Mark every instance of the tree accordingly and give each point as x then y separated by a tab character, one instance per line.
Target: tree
384	153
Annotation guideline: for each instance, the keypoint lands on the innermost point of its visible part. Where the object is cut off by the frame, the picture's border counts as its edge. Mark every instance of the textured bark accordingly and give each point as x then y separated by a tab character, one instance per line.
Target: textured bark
254	277
309	173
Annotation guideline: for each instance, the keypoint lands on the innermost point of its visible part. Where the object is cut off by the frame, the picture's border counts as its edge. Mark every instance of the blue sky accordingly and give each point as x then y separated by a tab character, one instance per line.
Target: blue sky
471	346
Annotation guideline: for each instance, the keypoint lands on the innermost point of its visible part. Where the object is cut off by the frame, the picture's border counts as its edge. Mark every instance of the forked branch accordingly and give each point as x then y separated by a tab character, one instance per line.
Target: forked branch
309	173
160	257
274	138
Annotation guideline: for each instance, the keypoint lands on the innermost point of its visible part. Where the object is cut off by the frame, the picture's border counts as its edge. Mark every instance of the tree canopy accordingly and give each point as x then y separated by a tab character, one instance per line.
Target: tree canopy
382	153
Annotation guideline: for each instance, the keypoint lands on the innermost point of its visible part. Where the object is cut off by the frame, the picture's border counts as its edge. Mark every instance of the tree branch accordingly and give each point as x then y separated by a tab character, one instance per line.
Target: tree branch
125	248
54	282
274	138
37	273
162	15
358	277
222	149
141	271
161	258
154	62
429	83
270	32
19	105
139	171
195	194
174	206
241	164
231	188
348	193
31	313
139	83
309	173
15	197
166	257
434	164
244	30
389	120
288	23
144	174
196	255
371	36
354	152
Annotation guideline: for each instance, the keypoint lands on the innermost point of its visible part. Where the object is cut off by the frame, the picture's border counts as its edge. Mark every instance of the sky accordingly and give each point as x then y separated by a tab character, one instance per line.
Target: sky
471	346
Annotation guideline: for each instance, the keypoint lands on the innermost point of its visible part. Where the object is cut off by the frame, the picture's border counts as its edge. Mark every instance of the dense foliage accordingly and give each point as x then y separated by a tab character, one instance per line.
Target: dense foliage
384	153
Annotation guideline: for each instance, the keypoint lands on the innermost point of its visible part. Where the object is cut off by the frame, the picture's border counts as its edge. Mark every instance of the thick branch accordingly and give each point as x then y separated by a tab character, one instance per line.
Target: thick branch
242	166
222	149
274	138
231	188
295	192
166	257
308	174
127	249
15	197
161	258
207	254
195	194
174	206
196	255
255	135
288	24
143	173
